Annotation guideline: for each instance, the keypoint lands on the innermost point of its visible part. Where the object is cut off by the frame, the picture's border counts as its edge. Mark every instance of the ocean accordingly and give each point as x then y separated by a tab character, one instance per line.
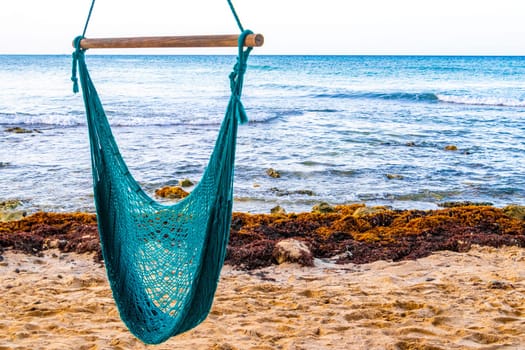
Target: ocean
409	132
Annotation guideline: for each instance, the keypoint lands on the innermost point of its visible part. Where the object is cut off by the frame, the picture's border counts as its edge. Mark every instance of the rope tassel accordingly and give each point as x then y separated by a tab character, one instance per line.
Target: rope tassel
76	56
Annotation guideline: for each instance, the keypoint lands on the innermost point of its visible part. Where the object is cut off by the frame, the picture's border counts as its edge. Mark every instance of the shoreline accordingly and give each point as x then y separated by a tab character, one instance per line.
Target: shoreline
339	234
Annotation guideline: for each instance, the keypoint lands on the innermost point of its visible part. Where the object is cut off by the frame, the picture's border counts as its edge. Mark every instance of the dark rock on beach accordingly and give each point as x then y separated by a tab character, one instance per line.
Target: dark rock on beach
293	251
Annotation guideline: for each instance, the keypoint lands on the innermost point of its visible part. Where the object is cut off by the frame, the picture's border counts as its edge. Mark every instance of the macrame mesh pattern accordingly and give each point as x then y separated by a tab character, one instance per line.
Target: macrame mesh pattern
163	262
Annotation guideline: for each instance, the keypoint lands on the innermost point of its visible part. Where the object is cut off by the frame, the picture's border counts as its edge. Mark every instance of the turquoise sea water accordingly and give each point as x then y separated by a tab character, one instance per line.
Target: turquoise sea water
340	129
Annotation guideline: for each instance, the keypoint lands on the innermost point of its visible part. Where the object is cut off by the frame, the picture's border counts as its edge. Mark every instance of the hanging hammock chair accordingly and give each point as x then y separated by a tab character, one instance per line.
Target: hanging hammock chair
163	261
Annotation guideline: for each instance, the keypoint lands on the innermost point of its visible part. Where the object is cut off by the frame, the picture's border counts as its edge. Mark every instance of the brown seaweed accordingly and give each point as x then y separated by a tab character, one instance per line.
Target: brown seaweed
351	233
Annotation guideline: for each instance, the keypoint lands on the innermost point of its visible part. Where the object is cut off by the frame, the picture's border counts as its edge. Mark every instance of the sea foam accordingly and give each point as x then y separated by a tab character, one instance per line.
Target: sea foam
482	101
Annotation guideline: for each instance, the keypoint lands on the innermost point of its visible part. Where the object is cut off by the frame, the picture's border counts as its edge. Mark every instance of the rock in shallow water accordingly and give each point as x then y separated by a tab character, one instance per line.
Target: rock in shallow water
515	211
364	211
13	215
10	204
273	173
10	210
186	183
171	192
323	208
394	177
19	130
278	210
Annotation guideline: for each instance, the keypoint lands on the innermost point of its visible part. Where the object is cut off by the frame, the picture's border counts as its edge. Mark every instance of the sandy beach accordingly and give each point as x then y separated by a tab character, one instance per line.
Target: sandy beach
378	198
448	300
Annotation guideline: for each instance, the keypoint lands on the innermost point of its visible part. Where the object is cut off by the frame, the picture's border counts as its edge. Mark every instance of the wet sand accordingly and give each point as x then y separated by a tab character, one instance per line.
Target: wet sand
448	300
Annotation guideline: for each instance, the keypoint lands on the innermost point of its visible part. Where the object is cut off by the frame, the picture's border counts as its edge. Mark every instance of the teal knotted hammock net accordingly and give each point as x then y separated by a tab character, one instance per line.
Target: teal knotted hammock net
163	262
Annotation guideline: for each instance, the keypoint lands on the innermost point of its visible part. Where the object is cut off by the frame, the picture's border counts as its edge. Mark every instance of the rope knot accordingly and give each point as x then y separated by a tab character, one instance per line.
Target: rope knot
77	54
237	78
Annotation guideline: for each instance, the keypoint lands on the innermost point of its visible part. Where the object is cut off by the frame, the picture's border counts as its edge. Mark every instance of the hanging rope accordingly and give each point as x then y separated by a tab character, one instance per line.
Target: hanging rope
232	8
235	16
76	56
88	18
80	51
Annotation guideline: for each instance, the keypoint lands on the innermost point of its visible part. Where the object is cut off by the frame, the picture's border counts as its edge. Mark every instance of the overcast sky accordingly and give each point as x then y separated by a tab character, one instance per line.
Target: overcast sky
447	27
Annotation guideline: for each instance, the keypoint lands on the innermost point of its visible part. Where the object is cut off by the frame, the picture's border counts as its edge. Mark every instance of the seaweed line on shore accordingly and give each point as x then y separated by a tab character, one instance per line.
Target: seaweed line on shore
346	234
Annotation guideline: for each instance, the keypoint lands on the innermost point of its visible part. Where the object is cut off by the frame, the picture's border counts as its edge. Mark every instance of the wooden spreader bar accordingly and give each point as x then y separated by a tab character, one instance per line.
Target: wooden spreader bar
226	40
